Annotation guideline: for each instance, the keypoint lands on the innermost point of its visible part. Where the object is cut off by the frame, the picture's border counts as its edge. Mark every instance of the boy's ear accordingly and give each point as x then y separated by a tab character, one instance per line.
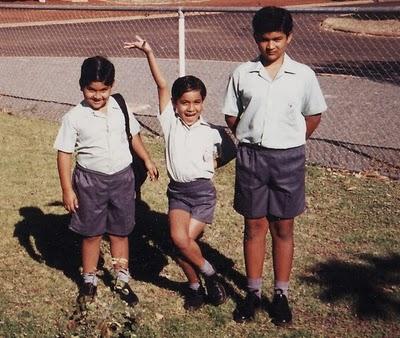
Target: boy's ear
289	37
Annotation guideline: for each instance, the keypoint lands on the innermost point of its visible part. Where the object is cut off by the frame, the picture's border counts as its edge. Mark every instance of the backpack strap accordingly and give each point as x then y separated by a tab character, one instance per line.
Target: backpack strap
139	168
121	102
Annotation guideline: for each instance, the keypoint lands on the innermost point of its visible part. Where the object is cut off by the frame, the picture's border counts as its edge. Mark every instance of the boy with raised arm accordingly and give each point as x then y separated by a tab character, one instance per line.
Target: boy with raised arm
190	149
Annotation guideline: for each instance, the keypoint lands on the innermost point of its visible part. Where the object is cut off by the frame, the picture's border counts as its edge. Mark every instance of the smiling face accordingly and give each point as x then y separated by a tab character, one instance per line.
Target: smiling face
189	106
96	94
272	46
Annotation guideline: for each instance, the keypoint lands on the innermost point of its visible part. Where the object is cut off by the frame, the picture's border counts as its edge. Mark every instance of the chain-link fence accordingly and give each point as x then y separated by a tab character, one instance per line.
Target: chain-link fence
42	48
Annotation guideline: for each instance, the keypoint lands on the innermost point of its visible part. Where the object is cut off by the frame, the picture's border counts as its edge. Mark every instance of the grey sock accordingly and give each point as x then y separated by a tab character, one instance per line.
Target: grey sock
123	275
254	285
90	277
207	269
284	286
194	286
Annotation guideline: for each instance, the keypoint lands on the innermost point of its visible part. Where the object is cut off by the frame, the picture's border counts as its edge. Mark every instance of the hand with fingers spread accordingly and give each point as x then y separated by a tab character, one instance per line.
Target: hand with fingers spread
162	85
140	44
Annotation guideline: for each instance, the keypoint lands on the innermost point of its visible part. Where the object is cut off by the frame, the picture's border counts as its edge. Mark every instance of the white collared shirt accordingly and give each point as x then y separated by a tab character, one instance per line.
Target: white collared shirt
189	150
99	139
271	112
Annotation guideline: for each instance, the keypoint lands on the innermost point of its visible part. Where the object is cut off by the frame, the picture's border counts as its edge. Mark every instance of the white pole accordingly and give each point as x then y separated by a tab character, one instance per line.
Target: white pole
181	43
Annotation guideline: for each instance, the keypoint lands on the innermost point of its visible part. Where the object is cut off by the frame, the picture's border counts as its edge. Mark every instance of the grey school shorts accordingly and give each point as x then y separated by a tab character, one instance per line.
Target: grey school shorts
197	198
106	202
269	182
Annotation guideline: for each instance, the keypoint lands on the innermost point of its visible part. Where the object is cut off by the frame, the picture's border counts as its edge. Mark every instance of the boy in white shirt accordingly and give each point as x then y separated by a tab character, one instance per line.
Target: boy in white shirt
101	193
190	149
272	105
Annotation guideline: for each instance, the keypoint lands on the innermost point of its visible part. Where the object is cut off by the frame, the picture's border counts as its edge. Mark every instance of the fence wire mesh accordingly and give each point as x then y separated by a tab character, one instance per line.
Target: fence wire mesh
41	52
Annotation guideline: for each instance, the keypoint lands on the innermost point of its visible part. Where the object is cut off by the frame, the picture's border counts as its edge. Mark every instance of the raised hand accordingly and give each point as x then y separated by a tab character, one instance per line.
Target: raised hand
139	43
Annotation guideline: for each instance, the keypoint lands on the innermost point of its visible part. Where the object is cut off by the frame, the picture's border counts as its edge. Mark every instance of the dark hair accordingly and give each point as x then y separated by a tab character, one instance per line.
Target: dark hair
272	19
186	84
97	68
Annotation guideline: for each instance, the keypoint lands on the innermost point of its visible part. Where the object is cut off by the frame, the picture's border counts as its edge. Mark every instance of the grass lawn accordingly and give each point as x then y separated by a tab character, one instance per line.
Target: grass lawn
346	275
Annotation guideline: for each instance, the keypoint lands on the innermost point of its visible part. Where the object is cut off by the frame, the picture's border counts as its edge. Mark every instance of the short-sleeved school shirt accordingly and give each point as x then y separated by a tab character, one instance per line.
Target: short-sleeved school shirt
271	112
99	139
189	150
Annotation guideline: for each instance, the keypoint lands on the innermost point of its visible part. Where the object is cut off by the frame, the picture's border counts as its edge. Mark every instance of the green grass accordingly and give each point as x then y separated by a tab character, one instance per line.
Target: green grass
345	280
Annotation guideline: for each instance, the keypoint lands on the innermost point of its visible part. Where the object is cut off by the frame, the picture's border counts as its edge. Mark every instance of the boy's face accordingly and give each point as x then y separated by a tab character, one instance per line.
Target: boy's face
272	45
189	106
96	94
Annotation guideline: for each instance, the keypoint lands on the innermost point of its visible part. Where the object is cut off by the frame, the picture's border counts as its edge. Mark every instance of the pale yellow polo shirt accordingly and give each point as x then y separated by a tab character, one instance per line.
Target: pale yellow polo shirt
99	139
272	112
189	150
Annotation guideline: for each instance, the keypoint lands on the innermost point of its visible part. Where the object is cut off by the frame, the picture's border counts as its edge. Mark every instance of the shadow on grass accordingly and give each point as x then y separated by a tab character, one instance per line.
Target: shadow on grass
47	239
370	286
150	247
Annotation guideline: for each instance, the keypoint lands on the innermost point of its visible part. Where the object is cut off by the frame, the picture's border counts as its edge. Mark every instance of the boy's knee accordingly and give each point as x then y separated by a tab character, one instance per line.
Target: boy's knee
181	242
282	231
255	229
92	239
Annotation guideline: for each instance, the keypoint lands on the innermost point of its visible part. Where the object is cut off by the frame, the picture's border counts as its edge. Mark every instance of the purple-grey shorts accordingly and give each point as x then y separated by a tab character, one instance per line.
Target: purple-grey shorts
269	182
106	202
197	198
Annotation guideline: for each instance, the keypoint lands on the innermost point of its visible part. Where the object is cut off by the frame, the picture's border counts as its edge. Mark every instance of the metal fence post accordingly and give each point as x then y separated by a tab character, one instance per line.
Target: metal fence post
181	43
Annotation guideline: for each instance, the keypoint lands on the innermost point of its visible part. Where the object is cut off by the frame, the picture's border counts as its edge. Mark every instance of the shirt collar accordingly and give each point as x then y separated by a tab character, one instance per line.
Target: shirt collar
288	65
112	105
199	122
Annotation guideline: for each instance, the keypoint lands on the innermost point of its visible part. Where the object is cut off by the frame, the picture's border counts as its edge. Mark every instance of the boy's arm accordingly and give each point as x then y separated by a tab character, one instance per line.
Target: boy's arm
141	151
162	86
312	122
64	164
231	122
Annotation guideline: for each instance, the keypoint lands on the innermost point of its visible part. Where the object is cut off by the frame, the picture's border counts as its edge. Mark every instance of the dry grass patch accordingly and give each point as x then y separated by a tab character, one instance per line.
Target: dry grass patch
345	279
365	27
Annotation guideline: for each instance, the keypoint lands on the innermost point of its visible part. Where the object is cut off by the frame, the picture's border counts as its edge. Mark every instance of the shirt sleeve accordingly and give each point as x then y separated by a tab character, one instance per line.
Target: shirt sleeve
315	101
134	125
166	117
67	136
217	143
231	102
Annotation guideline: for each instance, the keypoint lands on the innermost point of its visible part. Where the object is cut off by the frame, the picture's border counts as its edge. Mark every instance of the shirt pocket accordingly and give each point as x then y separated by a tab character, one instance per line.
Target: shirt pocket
292	112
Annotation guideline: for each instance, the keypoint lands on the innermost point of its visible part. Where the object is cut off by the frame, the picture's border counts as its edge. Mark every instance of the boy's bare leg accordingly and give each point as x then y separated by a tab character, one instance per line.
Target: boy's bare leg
90	253
119	251
254	242
90	259
195	229
254	246
282	248
180	221
282	254
120	256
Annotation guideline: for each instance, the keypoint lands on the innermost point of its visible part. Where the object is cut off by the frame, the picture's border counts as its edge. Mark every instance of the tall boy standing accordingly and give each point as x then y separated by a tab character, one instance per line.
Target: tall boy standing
272	105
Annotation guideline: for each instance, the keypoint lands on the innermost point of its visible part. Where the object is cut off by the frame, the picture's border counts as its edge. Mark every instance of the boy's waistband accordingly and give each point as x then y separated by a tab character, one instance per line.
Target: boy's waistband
258	146
79	167
197	181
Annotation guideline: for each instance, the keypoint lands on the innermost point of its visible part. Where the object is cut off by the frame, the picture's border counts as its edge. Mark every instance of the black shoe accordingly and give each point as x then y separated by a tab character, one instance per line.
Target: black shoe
125	292
215	290
194	299
86	295
246	311
280	311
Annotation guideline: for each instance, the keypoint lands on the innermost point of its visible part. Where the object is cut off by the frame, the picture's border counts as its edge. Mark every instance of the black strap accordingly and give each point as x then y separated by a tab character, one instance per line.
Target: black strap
121	102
